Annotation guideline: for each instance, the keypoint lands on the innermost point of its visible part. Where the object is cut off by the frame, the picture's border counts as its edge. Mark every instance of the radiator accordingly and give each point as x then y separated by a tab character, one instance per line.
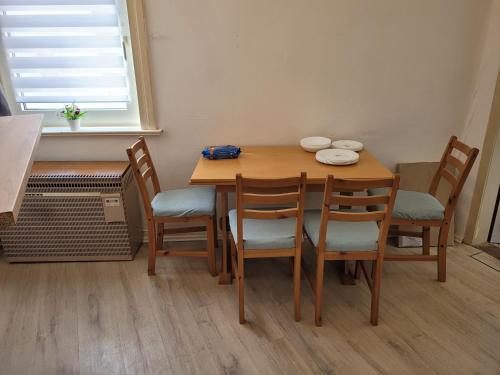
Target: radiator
76	211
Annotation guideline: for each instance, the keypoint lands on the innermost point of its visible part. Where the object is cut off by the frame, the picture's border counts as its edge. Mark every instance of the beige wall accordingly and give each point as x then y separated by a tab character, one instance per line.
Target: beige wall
395	74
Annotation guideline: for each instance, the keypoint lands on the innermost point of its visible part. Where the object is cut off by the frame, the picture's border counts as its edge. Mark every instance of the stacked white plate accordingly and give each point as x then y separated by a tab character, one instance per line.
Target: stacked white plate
313	144
348	145
335	156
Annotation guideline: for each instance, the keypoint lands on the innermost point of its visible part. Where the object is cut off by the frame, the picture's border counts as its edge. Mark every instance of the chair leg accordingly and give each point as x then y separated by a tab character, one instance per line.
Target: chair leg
357	269
241	280
216	236
320	267
376	291
225	277
291	265
296	285
442	244
212	267
152	248
426	240
232	257
160	231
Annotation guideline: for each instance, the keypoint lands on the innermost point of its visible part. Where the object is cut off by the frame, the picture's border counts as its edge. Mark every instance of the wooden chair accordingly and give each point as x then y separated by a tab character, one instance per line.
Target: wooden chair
193	205
350	234
424	210
269	231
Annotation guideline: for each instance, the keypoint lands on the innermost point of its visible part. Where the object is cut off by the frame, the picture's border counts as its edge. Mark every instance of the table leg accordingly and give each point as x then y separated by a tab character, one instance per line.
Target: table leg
225	276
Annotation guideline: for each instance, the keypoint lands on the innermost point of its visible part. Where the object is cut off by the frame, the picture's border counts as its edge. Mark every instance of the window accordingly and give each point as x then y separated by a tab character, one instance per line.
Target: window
58	52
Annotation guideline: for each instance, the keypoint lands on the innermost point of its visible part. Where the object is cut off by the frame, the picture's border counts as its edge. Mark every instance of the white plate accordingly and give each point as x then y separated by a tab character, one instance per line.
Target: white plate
336	156
348	145
313	144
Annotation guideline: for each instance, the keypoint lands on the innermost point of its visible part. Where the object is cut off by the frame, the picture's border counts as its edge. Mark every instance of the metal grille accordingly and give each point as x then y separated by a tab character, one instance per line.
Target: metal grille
62	184
62	218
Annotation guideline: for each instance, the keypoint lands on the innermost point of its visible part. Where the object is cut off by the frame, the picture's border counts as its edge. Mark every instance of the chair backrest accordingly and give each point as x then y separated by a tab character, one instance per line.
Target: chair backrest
457	175
143	169
267	194
382	217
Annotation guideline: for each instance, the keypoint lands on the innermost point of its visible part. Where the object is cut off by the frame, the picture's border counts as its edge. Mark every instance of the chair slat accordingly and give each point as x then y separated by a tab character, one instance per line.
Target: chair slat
136	146
269	253
455	162
461	147
449	176
271	198
142	160
270	183
272	190
147	173
362	184
270	214
350	255
344	200
356	216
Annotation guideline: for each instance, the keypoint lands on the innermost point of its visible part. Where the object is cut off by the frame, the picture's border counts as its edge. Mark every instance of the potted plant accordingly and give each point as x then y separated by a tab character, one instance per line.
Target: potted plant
72	114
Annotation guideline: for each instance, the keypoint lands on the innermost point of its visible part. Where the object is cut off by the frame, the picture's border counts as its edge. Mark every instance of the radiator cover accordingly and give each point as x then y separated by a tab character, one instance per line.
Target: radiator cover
76	211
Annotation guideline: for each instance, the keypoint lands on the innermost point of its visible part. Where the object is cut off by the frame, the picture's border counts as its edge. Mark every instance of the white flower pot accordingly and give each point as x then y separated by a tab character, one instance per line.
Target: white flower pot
74	124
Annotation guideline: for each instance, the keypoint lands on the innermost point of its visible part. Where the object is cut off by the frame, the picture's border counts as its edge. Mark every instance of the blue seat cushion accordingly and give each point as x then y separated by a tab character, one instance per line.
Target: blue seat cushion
184	202
342	235
264	234
413	205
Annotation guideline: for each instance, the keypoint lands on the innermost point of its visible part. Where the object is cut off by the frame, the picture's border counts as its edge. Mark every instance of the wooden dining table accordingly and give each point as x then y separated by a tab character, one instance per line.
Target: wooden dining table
275	162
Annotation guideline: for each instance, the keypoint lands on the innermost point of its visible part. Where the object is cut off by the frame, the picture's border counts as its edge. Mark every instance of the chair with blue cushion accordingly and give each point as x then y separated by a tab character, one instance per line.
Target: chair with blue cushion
191	205
272	229
424	210
351	234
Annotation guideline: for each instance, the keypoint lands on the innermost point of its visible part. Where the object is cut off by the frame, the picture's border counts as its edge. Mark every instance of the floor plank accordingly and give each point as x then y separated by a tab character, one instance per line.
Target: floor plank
112	318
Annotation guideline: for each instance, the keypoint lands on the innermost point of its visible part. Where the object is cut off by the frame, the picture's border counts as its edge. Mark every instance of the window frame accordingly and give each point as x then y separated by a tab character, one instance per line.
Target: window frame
136	46
140	53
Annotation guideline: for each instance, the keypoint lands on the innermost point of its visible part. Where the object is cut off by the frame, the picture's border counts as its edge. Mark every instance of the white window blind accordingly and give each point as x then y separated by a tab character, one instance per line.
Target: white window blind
64	51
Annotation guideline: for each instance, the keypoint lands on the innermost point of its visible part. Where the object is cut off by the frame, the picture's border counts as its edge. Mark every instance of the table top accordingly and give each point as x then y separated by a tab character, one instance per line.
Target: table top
19	137
283	161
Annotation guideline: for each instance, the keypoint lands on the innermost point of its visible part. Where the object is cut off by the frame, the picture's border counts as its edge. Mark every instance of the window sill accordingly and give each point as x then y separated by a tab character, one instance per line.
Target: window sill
52	131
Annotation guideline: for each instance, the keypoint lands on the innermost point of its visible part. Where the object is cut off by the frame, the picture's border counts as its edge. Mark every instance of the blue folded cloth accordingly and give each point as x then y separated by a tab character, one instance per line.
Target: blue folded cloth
221	152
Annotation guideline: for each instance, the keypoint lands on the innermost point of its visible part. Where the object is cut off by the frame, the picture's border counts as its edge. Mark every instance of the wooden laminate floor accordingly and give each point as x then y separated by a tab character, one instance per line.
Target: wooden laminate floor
111	318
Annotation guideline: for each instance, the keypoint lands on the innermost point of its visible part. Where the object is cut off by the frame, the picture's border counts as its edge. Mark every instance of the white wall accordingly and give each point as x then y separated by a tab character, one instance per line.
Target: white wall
489	196
395	74
479	110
